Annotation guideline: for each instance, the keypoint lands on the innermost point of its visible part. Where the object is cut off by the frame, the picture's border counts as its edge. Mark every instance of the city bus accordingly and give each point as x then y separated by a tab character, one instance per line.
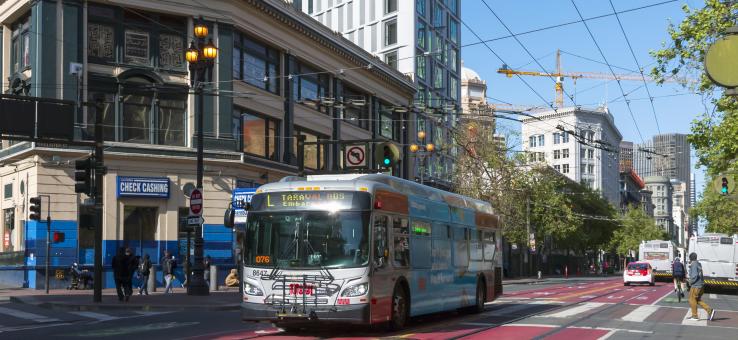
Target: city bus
365	249
718	254
660	254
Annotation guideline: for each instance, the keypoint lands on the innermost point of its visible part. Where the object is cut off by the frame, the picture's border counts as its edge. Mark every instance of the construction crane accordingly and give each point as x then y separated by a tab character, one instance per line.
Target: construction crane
559	77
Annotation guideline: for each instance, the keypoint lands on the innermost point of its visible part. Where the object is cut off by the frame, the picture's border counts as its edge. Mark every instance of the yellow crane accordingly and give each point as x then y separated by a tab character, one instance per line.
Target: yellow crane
559	77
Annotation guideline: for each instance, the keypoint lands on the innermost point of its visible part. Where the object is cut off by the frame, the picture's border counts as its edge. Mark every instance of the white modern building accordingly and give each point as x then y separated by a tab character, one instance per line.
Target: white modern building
680	201
420	38
580	143
662	199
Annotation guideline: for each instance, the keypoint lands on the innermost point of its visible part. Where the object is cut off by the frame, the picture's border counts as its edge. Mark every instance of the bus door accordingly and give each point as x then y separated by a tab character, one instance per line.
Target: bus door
381	279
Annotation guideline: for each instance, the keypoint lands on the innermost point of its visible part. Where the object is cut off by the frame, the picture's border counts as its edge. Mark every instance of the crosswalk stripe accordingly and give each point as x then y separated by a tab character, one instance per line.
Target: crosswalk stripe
640	313
96	316
587	306
25	315
508	310
702	314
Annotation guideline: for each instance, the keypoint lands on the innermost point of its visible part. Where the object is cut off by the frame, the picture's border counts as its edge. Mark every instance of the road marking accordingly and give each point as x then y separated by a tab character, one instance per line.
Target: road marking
96	316
483	324
702	315
641	313
532	325
28	316
587	306
508	310
713	296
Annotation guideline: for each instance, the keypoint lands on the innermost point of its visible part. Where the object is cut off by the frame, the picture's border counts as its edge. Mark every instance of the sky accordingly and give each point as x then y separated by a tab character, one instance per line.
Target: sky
646	30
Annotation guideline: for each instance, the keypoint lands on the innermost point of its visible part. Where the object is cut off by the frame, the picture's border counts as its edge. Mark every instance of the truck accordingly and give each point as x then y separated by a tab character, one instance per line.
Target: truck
718	254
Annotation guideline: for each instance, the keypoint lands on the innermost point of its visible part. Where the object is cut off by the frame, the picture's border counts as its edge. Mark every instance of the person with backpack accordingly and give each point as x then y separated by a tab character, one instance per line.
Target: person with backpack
697	284
168	265
144	269
679	273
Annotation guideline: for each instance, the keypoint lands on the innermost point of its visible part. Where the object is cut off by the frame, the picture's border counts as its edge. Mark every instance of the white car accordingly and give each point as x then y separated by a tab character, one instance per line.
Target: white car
638	272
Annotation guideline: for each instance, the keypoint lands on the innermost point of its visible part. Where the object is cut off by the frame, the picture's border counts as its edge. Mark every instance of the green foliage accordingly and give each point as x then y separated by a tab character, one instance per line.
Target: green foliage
721	211
635	226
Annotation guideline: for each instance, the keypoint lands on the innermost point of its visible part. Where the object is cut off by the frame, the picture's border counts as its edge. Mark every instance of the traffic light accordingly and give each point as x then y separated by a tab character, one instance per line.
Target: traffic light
387	155
724	188
83	169
58	237
35	208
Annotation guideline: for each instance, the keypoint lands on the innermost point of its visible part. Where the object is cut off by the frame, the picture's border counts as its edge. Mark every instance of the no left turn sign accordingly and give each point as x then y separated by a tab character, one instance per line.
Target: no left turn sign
356	156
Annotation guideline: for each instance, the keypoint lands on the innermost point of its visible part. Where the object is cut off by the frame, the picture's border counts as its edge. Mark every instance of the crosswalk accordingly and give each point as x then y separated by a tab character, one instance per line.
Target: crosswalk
15	316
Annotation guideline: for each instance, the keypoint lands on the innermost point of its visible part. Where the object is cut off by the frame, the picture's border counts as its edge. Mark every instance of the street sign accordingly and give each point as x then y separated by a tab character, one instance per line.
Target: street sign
196	202
242	196
720	61
356	156
194	220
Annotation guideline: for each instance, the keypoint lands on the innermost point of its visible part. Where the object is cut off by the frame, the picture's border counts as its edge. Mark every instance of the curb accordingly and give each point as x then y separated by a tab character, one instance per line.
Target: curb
90	307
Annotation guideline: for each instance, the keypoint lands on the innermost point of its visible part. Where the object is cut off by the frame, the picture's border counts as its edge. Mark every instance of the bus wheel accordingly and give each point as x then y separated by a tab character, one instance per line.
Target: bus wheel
399	309
480	298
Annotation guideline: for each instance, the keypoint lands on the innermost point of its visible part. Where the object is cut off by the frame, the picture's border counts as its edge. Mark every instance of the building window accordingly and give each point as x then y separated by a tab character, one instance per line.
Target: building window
590	154
256	63
557	167
21	45
171	120
565	137
453	30
557	154
310	8
136	123
565	169
385	125
532	141
453	88
390	33
452	6
541	139
420	6
391	59
564	153
452	60
8	191
260	135
389	126
438	77
557	138
590	168
421	35
356	110
390	6
310	85
438	14
315	154
420	66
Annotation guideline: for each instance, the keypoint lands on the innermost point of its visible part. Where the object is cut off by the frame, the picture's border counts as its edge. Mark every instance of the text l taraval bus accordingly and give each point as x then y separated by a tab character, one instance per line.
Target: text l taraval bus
365	249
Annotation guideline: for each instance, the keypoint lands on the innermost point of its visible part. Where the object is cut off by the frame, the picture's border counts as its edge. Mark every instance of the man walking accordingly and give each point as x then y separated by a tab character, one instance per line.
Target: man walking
167	269
697	284
130	268
144	269
120	268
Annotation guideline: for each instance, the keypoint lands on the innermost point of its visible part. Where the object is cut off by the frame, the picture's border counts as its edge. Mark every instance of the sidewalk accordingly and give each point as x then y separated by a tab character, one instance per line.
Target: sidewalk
81	300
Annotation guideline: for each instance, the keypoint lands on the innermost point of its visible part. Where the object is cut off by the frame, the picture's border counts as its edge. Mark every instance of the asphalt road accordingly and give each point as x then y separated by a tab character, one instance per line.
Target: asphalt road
576	309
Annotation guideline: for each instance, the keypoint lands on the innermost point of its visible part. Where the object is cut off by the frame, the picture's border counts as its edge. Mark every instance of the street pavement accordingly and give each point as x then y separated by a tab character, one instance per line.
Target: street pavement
581	309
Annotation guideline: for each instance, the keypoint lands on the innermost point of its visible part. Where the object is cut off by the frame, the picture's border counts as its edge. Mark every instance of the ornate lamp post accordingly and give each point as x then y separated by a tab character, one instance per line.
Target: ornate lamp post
201	57
422	152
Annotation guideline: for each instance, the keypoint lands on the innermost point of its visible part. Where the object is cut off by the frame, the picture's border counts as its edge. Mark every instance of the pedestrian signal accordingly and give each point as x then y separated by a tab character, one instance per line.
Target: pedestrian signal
724	189
35	208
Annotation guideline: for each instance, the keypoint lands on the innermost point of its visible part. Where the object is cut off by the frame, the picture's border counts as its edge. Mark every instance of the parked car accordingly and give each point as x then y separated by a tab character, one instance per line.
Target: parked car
638	272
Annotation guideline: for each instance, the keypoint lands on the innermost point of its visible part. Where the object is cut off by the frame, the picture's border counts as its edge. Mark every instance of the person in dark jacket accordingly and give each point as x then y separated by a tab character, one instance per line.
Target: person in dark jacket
144	269
167	269
697	284
678	272
121	273
206	266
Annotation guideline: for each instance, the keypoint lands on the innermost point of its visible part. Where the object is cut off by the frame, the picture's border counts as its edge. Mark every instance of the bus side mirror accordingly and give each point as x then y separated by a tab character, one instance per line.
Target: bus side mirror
229	217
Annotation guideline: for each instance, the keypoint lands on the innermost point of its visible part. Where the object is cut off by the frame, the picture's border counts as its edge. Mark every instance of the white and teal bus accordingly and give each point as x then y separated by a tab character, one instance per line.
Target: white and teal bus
365	249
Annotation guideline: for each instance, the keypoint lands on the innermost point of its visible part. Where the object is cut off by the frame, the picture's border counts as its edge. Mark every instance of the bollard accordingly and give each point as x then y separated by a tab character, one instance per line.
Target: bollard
566	272
152	279
213	278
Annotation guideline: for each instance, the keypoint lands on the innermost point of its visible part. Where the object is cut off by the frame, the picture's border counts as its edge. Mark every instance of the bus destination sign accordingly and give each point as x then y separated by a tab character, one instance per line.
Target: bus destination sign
310	200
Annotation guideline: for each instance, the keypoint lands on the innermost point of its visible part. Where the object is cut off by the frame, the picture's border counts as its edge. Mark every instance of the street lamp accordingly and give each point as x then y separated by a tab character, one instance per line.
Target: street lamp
422	152
201	56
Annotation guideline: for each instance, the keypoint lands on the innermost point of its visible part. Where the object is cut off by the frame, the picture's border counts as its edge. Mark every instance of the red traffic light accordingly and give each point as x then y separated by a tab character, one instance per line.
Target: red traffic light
58	237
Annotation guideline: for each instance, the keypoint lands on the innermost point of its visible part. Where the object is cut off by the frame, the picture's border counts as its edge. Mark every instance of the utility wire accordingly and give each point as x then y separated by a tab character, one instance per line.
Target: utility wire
640	69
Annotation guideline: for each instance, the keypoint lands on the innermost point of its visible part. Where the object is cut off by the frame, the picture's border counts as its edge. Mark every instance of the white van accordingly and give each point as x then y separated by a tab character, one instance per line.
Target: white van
659	254
718	254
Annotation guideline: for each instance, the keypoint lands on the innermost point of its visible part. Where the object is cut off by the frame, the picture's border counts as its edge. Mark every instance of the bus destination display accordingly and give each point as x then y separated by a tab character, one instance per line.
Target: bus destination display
311	200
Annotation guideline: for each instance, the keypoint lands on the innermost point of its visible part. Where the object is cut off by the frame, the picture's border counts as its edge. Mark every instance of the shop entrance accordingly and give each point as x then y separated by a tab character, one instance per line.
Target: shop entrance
139	230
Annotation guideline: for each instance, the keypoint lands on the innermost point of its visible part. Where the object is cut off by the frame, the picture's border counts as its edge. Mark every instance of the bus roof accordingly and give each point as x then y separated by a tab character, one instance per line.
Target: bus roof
370	183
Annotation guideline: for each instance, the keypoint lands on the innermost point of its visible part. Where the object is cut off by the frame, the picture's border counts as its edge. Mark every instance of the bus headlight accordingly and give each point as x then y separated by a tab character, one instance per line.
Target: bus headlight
252	289
356	290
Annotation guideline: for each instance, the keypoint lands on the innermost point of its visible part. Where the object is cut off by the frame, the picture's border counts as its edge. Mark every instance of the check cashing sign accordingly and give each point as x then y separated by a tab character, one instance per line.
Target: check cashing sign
149	187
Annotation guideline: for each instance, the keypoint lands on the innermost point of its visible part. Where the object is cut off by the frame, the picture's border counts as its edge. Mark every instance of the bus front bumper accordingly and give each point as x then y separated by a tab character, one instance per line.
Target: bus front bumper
350	314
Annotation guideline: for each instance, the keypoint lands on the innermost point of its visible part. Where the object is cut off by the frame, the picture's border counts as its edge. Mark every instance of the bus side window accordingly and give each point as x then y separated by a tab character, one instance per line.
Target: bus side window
380	240
401	245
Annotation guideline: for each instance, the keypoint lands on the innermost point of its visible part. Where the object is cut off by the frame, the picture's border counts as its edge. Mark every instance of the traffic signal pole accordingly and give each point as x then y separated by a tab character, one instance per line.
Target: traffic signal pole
48	238
98	197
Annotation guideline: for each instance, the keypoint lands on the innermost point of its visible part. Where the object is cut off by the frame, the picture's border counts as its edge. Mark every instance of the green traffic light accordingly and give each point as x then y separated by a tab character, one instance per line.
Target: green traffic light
386	161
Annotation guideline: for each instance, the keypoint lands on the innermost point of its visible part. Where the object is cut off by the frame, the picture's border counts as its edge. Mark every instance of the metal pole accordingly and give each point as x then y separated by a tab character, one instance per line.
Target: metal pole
98	198
48	240
301	155
197	286
527	227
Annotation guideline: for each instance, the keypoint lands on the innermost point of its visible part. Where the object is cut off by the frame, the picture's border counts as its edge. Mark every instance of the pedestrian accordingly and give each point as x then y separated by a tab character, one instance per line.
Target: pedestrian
678	272
697	284
167	269
206	264
130	268
144	270
232	279
120	267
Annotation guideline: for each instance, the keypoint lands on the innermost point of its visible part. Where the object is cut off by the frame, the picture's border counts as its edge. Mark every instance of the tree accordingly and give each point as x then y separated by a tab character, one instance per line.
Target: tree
720	211
715	130
635	227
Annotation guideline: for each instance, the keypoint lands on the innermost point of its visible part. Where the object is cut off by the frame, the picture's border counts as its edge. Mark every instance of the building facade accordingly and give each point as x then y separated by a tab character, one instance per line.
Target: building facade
420	38
680	201
273	68
626	156
630	190
662	199
587	161
647	202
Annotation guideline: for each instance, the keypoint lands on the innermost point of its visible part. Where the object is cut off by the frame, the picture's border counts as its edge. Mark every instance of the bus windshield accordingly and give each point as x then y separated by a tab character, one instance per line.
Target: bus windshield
307	239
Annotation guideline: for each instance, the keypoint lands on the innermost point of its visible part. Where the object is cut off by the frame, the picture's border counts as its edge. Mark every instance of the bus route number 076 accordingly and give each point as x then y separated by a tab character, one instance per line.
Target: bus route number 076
263	259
